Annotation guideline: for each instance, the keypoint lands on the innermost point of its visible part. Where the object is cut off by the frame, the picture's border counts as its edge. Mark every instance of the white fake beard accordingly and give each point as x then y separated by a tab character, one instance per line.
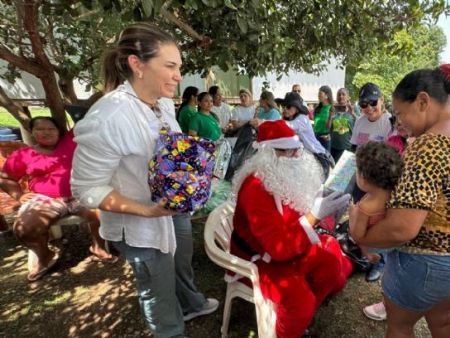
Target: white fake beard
295	180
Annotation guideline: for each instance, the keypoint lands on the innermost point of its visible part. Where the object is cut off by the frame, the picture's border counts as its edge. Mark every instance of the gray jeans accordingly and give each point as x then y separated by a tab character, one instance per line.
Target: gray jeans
191	300
155	280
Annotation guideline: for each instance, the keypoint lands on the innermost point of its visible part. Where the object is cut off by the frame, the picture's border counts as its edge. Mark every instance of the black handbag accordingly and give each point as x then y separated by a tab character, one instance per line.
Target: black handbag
348	245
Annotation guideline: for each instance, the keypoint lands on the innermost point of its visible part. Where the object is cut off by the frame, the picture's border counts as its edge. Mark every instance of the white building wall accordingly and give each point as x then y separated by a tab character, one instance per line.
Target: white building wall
332	76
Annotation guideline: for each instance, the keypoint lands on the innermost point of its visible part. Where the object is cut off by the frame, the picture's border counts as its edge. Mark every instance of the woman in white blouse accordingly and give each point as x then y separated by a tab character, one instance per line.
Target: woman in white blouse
116	141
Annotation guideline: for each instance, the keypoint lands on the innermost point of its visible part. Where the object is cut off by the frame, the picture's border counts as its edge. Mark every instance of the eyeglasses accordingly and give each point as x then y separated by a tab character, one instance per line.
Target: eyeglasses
297	91
365	104
288	152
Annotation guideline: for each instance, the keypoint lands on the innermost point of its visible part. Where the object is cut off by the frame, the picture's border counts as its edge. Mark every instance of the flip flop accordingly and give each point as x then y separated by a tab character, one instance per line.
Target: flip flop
32	277
111	260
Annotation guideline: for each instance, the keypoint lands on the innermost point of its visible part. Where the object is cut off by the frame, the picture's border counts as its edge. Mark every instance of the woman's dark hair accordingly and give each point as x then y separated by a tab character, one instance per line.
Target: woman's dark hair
187	94
213	90
141	39
329	94
33	121
379	163
435	82
201	96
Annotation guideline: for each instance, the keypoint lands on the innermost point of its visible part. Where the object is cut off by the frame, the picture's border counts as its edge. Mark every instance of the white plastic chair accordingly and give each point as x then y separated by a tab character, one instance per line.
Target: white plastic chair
218	229
56	233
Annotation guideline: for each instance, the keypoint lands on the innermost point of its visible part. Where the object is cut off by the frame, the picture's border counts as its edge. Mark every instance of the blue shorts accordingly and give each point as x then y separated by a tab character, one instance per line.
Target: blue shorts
416	282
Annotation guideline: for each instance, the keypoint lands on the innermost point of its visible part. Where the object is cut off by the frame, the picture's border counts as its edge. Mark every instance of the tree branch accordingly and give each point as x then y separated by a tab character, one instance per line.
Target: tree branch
18	112
21	62
182	25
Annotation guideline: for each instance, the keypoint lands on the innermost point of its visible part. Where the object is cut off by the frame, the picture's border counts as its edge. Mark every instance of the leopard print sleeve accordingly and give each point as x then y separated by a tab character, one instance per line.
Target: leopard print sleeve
424	184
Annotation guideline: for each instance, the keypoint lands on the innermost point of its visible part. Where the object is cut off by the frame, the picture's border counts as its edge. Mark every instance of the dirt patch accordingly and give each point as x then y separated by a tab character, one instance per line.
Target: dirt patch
82	298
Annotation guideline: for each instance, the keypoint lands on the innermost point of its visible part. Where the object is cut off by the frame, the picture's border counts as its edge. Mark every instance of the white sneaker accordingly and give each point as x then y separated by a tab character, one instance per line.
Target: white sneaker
210	306
375	311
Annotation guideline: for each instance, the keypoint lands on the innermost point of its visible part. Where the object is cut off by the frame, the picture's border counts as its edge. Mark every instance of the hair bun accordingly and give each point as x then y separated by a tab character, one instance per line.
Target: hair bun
445	69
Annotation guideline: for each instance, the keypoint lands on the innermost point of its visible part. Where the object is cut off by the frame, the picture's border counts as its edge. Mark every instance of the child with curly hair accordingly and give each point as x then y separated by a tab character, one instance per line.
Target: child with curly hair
378	168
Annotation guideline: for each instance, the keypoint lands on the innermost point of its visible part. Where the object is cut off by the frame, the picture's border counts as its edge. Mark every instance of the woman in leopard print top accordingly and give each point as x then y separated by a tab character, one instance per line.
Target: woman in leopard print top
416	281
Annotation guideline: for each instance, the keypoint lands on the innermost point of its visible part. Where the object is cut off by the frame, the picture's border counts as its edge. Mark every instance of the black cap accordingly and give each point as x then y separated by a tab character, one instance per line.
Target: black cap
369	92
295	100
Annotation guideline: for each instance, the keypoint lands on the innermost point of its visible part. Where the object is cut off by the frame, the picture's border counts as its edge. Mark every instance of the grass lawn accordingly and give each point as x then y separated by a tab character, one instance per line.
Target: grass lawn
6	119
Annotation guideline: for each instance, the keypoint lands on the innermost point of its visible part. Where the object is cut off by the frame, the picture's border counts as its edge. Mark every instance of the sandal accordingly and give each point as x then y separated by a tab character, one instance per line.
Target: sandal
32	277
111	260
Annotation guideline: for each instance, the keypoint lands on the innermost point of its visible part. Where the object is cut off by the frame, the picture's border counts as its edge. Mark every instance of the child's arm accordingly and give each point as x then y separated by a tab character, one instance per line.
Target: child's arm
358	222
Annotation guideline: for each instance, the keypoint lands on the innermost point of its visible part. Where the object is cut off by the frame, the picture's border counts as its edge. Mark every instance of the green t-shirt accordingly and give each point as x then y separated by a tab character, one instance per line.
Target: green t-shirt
321	119
206	126
185	116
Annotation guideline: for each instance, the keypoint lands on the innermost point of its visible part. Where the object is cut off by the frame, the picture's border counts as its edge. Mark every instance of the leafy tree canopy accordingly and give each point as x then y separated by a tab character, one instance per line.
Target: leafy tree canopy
409	49
67	37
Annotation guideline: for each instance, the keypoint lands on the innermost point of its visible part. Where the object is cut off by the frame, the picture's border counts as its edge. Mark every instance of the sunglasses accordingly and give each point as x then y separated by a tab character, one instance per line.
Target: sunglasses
365	104
289	152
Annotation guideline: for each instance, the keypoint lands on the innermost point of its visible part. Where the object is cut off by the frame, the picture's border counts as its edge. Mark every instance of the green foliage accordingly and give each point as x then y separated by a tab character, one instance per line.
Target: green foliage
268	35
410	49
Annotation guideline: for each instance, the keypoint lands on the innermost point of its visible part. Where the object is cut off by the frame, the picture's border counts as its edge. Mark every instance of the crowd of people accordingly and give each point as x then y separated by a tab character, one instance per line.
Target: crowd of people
400	216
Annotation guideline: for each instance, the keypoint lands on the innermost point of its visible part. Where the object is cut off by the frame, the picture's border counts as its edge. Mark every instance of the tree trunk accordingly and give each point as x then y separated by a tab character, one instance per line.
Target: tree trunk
49	83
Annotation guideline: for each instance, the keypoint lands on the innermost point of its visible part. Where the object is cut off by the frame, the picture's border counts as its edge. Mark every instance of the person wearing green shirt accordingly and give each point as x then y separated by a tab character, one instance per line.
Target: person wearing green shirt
203	123
188	108
323	115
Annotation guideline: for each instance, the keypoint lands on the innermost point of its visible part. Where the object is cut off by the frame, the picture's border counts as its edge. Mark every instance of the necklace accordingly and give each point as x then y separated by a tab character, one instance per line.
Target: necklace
155	109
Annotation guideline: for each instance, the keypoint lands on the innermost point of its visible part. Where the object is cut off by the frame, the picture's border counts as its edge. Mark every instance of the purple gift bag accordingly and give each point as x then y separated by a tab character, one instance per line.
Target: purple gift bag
181	171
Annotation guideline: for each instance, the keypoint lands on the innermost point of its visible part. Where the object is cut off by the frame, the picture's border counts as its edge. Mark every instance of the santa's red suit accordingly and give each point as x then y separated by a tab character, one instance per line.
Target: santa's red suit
300	275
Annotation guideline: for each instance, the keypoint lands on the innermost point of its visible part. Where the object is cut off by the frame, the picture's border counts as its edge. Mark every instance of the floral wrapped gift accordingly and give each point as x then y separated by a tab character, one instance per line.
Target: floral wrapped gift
181	171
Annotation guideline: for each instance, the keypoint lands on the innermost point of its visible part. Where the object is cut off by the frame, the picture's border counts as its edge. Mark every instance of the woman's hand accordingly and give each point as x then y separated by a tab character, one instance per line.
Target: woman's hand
255	122
159	210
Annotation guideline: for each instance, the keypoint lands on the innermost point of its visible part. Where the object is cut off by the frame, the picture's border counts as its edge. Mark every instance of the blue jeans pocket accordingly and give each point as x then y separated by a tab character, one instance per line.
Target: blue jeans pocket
404	261
437	282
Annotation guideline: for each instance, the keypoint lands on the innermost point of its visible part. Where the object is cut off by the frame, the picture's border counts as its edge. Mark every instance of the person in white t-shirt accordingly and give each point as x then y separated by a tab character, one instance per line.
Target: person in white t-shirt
220	108
244	111
373	125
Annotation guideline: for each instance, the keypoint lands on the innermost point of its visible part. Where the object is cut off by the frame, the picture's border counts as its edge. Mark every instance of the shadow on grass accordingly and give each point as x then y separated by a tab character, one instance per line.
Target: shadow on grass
81	298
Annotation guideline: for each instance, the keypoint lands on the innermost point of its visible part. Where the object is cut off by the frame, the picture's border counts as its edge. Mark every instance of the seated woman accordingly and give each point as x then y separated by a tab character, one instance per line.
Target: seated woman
204	124
267	109
48	165
296	116
244	111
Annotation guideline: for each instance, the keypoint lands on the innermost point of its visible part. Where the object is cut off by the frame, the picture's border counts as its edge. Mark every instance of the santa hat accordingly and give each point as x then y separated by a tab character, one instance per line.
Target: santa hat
276	134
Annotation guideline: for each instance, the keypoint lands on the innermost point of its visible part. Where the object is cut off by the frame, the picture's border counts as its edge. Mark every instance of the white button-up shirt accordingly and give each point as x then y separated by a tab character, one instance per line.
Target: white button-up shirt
115	142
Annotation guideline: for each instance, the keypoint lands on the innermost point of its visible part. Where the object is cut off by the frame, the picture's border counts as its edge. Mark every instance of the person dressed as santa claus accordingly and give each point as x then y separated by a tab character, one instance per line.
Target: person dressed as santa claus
279	201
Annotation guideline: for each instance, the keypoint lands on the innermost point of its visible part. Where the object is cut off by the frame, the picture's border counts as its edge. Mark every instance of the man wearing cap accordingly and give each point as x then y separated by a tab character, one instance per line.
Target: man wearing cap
277	207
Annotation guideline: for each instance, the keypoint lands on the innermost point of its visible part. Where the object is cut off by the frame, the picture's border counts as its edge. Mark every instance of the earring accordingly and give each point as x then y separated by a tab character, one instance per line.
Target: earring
138	75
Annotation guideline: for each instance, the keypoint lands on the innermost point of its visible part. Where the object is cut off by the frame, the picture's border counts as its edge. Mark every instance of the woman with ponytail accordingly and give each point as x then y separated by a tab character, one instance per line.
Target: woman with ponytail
417	274
115	142
188	108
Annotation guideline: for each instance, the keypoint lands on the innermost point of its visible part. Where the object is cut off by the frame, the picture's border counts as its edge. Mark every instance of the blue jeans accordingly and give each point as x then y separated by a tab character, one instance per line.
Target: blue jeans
416	282
155	280
191	300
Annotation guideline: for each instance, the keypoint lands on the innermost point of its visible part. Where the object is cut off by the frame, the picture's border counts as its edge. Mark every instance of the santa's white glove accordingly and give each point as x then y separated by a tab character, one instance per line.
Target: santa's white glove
325	206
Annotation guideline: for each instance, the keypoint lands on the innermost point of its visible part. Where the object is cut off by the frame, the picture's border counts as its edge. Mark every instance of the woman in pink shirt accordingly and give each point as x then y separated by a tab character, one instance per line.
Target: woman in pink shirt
47	165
